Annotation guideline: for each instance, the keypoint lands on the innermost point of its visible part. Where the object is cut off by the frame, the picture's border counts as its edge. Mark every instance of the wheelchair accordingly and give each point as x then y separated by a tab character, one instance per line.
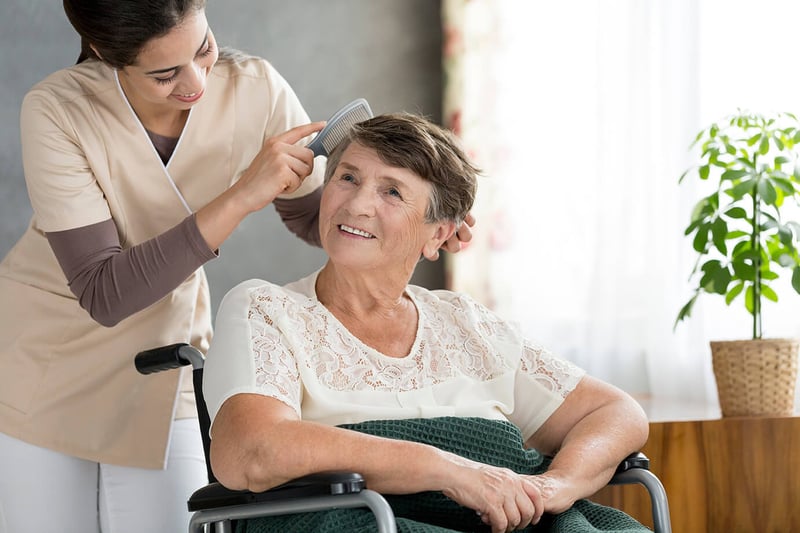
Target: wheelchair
215	508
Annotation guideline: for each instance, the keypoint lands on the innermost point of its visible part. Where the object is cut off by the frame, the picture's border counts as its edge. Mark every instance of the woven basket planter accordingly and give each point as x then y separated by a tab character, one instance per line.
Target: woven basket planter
756	377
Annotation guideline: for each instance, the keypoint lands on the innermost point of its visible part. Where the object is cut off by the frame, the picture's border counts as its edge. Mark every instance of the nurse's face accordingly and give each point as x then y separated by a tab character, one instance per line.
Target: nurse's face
170	72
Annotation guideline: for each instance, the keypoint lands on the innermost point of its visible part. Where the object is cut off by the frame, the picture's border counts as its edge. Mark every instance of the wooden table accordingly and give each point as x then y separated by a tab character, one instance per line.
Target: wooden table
720	474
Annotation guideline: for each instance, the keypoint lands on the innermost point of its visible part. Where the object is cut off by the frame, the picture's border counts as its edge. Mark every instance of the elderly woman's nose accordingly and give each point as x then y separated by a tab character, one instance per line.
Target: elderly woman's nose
362	201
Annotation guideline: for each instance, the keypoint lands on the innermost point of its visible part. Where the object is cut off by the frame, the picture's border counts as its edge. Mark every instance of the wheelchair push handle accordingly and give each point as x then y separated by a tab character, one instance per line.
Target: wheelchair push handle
168	357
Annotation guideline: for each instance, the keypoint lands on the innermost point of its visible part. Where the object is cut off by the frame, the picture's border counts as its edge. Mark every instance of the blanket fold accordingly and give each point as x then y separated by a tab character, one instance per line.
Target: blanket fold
494	442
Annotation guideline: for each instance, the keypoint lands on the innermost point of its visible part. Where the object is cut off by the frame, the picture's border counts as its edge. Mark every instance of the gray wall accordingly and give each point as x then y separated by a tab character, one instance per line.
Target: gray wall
331	52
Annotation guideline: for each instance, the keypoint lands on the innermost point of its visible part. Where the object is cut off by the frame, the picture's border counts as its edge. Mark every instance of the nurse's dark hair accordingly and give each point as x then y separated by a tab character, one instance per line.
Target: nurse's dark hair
119	29
412	142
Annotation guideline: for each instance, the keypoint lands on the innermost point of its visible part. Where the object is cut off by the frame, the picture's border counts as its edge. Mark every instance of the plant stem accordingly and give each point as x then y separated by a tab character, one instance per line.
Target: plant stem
756	246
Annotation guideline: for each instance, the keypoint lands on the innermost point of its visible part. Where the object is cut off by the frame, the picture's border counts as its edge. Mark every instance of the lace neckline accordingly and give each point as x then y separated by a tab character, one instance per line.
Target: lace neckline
417	334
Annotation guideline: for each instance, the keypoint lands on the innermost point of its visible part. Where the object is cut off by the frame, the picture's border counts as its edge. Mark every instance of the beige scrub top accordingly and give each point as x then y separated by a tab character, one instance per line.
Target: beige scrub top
66	382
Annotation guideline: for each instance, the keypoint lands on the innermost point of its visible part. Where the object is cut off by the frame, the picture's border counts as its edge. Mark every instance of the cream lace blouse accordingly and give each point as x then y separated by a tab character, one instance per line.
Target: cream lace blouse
282	342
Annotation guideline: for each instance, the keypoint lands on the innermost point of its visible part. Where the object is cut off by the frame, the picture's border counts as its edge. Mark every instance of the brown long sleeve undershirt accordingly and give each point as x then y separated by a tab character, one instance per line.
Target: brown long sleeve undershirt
301	215
112	283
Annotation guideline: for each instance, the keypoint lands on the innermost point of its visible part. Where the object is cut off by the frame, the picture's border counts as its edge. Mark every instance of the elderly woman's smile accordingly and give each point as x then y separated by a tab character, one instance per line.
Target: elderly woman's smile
356	231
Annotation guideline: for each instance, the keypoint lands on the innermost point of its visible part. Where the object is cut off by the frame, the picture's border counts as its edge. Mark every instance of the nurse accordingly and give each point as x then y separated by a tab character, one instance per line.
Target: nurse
140	161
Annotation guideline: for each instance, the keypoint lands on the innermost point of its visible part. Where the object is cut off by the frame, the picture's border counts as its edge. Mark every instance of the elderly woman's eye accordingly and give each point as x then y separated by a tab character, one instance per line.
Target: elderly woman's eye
347	177
394	192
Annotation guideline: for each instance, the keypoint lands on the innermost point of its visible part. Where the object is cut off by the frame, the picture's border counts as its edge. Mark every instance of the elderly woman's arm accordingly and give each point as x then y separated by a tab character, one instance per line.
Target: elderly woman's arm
258	442
595	428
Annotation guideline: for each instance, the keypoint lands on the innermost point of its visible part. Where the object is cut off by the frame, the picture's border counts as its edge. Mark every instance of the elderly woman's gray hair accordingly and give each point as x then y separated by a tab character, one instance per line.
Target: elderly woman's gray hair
408	141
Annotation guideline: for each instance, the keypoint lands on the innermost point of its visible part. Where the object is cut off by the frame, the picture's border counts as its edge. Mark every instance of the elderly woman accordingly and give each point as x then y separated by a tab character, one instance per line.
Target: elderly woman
291	367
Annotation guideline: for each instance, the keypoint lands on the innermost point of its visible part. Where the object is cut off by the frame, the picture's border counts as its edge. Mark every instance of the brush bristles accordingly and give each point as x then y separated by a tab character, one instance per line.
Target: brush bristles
341	127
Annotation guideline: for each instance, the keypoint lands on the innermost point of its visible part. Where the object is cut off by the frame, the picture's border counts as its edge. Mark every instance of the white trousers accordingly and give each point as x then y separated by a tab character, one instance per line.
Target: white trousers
42	491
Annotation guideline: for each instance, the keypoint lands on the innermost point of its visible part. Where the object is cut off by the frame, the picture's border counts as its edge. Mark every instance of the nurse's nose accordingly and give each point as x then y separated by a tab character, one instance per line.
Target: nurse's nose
194	80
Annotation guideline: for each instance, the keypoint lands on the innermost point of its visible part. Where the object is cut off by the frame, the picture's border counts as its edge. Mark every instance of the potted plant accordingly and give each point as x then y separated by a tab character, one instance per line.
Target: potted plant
742	240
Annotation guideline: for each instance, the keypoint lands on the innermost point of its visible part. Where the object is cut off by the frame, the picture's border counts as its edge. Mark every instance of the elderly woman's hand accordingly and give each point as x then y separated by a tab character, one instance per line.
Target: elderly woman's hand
557	494
503	499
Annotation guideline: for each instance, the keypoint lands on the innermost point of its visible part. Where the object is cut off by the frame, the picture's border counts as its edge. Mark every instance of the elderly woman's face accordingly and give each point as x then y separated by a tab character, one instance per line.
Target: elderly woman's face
372	215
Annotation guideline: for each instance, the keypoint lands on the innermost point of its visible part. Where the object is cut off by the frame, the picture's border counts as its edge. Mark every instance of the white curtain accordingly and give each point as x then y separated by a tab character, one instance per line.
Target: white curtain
581	113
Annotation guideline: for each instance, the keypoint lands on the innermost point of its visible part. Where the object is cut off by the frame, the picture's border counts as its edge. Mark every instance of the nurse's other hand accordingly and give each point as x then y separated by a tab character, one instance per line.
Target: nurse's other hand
462	235
279	167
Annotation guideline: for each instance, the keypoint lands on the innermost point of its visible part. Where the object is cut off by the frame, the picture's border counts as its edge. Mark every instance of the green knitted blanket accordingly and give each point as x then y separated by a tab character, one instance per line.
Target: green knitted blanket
488	441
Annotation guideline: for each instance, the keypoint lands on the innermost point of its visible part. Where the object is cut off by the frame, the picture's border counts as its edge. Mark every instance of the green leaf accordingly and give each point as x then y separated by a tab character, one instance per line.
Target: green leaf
704	171
769	223
733	293
747	252
770	218
734	174
743	270
693	226
767	191
745	187
764	147
719	229
796	279
686	310
715	277
701	209
721	280
785	235
768	293
711	266
784	184
749	298
736	234
736	212
779	160
710	270
740	251
753	140
769	275
701	238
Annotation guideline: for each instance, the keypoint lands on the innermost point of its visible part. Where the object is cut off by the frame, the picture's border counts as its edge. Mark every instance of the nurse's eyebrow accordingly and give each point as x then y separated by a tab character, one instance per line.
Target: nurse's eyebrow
169	69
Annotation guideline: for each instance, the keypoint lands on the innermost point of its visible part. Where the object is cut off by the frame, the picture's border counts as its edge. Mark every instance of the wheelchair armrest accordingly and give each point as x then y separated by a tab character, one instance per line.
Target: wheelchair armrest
168	357
636	469
215	495
634	460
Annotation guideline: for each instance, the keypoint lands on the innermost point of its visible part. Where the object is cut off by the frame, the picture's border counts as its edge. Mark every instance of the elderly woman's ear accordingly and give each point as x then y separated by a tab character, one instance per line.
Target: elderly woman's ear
444	230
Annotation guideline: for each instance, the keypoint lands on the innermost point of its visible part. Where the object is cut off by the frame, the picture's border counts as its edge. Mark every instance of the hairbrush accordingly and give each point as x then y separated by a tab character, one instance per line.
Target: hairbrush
338	125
